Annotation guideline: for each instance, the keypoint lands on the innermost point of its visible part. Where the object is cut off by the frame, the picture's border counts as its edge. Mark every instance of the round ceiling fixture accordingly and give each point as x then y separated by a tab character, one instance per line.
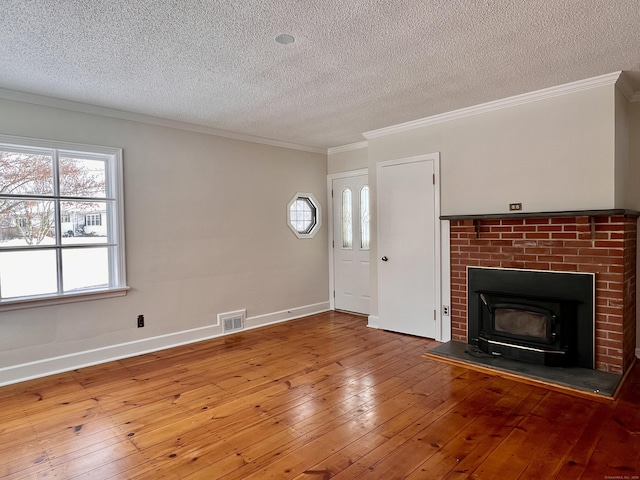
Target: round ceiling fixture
285	39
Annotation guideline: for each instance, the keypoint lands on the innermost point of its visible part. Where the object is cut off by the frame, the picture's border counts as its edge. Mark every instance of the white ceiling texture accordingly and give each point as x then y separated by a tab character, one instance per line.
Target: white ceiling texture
355	65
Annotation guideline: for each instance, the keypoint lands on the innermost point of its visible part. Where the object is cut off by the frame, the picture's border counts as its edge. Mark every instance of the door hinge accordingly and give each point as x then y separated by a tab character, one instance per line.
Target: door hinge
332	193
333	244
434	178
434	315
334	294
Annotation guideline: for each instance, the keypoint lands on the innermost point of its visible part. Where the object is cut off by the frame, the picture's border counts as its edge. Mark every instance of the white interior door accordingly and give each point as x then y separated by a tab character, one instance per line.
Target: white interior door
407	219
351	244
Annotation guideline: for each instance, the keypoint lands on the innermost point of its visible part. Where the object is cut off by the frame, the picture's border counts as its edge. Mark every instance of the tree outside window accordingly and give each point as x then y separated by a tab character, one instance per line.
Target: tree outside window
60	220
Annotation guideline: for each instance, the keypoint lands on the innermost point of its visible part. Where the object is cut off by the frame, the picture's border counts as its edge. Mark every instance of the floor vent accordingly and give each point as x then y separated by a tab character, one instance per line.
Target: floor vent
232	321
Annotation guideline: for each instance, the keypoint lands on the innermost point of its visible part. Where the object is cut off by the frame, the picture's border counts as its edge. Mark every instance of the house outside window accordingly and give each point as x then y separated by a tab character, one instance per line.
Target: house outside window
61	216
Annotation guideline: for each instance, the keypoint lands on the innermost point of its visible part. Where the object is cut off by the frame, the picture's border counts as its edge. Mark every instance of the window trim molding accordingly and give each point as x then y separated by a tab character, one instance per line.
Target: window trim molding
74	297
318	222
117	264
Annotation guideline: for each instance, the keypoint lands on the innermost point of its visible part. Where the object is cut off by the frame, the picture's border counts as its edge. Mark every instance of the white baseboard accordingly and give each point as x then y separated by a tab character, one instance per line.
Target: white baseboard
64	363
374	321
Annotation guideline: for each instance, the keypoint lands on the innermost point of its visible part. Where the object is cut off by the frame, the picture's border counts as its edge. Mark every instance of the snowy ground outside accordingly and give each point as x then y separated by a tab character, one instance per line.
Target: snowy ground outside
27	273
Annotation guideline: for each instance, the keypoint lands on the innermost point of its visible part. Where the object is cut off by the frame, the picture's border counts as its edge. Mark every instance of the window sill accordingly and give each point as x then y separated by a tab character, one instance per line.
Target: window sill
45	301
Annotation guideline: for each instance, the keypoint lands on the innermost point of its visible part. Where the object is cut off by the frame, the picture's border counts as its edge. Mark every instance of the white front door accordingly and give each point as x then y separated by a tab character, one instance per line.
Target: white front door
351	243
407	217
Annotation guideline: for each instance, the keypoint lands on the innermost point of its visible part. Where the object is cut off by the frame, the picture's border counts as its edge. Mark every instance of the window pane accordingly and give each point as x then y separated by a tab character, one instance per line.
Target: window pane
302	214
26	222
82	178
364	218
85	268
347	215
27	273
87	222
59	206
25	173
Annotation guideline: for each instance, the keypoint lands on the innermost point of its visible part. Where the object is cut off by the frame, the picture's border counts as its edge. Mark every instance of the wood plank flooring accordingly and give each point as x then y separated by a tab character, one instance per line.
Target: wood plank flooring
316	398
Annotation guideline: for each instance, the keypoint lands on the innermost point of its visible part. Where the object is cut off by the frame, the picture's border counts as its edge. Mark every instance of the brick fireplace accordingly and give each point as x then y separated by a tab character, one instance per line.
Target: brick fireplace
598	242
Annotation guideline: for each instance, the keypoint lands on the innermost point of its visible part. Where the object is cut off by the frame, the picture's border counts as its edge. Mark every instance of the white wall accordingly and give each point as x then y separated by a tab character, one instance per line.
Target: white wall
206	233
633	193
348	161
552	154
623	190
632	177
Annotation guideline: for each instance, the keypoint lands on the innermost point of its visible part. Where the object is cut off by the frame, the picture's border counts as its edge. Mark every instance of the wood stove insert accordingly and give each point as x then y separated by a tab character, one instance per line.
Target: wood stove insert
539	317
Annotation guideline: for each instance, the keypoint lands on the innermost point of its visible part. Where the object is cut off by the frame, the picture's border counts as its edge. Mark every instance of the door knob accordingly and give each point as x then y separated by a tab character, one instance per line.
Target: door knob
384	259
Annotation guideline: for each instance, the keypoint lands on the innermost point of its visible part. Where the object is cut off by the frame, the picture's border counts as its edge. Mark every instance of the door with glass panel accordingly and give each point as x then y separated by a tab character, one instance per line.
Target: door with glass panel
351	243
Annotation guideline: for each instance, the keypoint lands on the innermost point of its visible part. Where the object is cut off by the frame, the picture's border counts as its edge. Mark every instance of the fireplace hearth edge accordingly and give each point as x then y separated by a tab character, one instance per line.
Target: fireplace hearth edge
594	384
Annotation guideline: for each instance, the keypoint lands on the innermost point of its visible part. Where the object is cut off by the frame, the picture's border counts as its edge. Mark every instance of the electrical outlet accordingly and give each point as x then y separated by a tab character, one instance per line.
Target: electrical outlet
445	310
140	321
515	206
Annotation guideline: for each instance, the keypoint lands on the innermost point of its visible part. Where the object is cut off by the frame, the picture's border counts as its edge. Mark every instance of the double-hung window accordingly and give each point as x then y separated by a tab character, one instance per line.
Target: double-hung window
61	222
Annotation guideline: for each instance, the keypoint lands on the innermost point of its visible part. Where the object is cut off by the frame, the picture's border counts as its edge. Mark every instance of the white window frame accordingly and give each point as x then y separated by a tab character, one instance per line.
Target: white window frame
318	218
114	220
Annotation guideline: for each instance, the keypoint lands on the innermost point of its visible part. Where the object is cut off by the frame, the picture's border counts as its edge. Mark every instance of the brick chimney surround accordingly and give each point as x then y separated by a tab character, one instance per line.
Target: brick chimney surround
602	242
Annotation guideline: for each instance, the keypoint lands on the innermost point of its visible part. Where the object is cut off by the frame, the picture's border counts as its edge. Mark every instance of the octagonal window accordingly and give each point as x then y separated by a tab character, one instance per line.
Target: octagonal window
303	215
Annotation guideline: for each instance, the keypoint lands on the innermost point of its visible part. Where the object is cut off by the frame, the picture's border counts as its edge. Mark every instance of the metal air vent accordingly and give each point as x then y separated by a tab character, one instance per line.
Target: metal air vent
232	321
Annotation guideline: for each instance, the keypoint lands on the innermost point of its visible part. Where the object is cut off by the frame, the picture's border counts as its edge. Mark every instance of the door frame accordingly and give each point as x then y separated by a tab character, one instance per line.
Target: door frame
330	179
441	246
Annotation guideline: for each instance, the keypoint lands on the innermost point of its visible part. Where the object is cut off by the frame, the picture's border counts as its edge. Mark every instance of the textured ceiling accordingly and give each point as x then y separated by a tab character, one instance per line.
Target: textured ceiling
356	65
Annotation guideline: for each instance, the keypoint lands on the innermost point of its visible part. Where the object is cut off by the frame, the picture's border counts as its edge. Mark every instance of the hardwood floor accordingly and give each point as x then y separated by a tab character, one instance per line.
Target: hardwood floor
312	399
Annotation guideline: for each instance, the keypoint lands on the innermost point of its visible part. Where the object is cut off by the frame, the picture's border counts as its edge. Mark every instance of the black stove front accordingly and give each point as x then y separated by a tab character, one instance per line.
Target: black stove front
532	316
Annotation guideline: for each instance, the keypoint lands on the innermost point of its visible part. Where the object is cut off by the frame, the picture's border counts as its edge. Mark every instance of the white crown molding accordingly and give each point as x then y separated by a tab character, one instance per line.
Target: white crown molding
625	85
608	79
348	148
148	119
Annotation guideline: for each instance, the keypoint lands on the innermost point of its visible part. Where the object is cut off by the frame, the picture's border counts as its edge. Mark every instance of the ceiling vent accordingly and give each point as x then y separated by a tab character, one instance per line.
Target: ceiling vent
232	321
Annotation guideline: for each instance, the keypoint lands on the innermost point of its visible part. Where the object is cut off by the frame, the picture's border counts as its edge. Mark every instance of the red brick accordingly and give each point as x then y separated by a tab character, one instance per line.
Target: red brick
537	265
525	228
512	235
550	258
610	327
563	220
537	221
609	244
549	228
610	228
537	235
608	310
589	251
501	228
566	236
513	264
564	267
